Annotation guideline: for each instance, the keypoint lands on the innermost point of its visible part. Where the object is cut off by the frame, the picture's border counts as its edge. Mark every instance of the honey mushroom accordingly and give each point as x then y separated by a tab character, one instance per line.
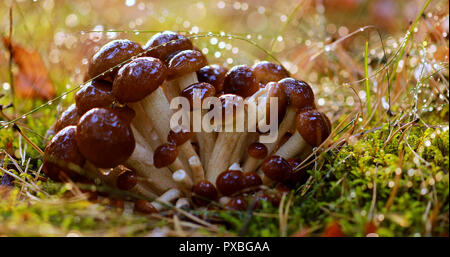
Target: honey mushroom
226	141
273	89
199	92
312	128
204	192
299	95
137	83
103	63
164	46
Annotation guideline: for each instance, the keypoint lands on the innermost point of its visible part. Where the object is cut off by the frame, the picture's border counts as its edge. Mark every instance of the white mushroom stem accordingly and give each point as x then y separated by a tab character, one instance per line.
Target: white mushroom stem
186	80
166	198
183	179
182	203
286	124
223	148
292	147
141	160
152	105
170	89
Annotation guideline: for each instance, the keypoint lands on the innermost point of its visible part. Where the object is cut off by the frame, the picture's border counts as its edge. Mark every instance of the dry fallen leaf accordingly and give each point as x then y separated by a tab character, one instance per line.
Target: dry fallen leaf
31	80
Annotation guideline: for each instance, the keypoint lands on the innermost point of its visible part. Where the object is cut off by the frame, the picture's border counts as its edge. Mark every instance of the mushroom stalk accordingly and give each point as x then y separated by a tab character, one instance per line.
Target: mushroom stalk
292	147
166	198
219	161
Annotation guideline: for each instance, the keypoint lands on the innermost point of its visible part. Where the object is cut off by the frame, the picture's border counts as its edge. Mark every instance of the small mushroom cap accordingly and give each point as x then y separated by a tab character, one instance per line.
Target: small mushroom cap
204	191
276	168
96	93
185	62
127	179
177	43
138	78
179	138
240	80
104	137
164	155
214	75
145	207
266	72
230	182
299	92
61	153
110	55
313	126
237	203
199	91
69	117
257	150
276	90
252	179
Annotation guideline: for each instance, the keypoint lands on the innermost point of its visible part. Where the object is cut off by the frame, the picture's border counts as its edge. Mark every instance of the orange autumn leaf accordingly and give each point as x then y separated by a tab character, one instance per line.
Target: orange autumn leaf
31	80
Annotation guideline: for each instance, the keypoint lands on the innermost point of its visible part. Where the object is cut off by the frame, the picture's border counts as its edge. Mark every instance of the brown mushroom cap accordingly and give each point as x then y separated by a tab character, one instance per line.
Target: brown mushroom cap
110	55
61	153
126	113
177	43
200	90
313	126
69	117
185	62
237	203
96	93
230	182
240	80
138	78
145	207
179	138
299	92
104	137
252	179
127	179
296	177
204	189
257	150
164	155
266	72
276	168
214	75
276	90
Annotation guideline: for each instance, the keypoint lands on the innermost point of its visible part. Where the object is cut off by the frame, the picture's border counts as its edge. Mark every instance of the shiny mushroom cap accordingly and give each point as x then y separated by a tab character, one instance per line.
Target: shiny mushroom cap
127	178
165	155
257	150
96	93
299	93
204	192
198	91
266	72
179	138
276	168
240	80
185	62
104	137
62	154
138	78
111	55
214	75
313	126
162	44
69	117
230	182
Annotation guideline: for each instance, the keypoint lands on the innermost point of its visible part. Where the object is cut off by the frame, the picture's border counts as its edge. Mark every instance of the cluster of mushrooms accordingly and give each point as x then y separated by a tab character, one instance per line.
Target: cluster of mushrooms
118	130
